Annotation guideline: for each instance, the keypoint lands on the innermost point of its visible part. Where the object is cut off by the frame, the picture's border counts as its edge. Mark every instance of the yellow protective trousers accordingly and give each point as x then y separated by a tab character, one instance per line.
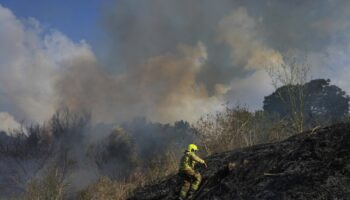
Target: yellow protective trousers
190	179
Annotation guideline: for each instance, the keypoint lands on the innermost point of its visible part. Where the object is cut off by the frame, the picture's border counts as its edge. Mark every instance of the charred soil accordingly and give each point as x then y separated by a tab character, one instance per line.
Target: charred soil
311	165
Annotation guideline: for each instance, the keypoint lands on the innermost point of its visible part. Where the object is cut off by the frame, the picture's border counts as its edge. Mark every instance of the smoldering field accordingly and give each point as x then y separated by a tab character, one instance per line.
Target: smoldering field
163	60
64	156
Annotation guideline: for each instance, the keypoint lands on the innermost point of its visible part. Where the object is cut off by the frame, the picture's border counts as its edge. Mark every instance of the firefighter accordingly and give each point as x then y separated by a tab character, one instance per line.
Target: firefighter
191	178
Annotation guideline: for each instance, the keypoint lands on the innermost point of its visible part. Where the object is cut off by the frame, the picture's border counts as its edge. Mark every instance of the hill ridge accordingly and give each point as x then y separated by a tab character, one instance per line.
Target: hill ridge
312	165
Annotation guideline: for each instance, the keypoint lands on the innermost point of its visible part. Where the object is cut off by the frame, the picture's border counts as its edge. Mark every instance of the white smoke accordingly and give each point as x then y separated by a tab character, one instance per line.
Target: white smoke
166	78
8	123
40	71
238	31
30	61
163	89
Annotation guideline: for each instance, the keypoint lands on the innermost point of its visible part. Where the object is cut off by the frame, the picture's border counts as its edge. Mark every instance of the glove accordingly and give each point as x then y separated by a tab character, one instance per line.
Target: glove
205	165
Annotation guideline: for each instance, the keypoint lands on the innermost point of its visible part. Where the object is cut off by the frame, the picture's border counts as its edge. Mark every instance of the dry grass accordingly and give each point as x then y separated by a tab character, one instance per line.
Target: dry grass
50	187
107	189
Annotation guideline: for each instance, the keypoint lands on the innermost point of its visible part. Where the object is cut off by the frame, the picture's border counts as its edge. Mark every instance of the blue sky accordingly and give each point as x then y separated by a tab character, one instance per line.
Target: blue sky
78	19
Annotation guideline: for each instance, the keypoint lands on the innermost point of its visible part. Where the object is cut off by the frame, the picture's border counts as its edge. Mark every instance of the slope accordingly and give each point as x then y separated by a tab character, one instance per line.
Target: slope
312	165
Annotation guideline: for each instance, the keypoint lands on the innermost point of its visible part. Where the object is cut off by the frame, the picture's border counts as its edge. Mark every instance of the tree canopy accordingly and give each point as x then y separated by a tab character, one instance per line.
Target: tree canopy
320	101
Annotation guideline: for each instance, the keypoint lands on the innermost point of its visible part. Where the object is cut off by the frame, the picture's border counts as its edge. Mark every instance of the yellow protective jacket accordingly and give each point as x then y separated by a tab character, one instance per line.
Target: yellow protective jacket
189	160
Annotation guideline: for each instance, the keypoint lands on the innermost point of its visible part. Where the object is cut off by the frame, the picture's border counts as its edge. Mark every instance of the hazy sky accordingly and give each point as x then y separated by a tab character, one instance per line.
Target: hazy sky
163	59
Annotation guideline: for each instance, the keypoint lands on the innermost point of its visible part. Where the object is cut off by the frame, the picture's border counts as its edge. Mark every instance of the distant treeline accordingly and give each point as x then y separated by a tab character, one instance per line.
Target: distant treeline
63	157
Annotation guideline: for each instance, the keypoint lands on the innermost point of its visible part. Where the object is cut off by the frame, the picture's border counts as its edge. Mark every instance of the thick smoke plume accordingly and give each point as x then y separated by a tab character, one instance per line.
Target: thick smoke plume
164	60
31	62
163	88
168	60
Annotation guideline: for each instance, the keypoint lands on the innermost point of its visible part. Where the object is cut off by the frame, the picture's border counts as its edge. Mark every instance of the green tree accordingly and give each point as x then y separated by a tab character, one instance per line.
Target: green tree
323	103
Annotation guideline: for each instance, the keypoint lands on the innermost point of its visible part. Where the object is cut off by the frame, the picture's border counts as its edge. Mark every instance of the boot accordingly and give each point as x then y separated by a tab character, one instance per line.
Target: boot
190	194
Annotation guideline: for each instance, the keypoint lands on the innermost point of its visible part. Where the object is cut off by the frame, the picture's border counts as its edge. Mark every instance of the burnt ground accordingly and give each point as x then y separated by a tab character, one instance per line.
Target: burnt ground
311	165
